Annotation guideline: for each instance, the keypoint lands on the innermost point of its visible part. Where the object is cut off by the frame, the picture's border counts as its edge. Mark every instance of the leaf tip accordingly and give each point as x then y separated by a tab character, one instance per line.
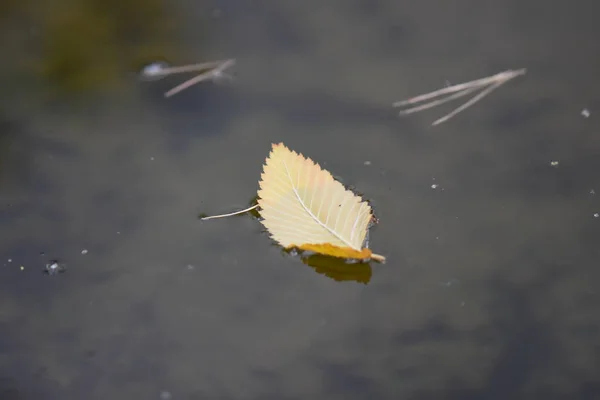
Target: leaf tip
276	146
378	258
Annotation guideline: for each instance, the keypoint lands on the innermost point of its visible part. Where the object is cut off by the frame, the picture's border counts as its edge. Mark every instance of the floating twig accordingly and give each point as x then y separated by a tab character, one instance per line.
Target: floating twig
212	70
488	85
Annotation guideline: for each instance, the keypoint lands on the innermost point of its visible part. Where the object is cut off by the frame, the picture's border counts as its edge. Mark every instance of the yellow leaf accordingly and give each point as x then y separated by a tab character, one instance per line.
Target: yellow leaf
304	207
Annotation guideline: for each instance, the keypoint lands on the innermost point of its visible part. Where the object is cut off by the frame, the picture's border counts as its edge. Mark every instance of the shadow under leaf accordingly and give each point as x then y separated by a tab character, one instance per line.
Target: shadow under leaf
339	269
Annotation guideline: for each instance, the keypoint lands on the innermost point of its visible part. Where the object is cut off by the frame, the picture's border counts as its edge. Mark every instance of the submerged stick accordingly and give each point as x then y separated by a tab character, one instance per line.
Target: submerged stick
230	214
462	89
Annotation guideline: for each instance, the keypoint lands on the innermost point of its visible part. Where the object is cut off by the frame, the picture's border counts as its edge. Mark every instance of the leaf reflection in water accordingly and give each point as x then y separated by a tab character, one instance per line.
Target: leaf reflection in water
339	269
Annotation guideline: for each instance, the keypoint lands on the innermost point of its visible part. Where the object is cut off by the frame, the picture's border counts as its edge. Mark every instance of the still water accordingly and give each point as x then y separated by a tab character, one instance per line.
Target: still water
487	221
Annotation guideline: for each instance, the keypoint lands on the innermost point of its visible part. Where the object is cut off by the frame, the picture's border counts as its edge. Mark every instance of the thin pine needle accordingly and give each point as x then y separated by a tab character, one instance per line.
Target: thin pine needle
488	84
213	74
230	214
438	102
478	83
468	103
188	83
158	70
212	70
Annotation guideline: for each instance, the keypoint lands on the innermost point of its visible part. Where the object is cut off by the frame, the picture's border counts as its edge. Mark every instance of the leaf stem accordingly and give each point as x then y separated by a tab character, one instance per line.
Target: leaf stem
230	214
378	258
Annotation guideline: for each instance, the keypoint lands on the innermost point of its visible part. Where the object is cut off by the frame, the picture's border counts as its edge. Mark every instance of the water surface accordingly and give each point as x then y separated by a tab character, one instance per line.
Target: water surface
490	289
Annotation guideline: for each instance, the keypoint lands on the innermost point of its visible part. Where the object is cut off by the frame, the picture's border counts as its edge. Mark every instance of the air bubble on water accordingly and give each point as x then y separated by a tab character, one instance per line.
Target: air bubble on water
434	186
54	267
154	70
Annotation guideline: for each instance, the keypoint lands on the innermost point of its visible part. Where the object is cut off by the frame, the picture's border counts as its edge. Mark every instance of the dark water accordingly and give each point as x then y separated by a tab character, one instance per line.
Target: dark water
491	286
